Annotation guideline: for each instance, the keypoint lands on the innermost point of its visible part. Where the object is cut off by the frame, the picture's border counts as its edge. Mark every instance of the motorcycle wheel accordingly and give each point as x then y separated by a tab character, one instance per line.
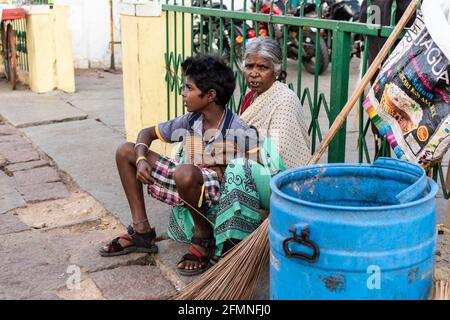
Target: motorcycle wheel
309	61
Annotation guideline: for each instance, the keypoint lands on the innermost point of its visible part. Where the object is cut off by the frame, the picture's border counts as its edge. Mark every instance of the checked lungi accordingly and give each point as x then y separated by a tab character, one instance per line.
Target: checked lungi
165	189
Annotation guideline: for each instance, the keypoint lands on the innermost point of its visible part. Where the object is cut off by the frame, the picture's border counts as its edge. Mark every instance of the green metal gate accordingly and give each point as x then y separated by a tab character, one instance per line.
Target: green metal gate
319	103
20	33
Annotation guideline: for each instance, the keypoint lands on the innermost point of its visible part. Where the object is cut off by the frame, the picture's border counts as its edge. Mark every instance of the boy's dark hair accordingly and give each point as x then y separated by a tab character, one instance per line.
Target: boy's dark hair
208	73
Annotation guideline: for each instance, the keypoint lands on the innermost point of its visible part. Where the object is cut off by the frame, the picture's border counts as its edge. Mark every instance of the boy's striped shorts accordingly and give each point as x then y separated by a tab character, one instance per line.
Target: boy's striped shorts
165	189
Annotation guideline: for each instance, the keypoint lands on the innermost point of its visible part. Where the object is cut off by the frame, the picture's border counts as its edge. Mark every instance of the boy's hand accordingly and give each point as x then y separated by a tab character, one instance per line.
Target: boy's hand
216	168
219	171
143	173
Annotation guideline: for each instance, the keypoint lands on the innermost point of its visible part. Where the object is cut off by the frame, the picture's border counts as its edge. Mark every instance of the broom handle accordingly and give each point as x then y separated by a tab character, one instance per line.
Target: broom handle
340	119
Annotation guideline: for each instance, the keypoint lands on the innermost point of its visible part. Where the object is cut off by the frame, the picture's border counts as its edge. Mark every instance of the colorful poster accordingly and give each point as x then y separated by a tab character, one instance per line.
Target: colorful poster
410	100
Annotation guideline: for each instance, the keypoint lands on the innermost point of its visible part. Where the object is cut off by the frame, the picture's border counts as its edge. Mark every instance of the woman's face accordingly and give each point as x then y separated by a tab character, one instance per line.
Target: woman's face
259	73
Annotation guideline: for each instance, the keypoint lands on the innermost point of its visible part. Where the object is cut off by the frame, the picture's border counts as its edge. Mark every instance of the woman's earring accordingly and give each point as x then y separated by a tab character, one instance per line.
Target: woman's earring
282	76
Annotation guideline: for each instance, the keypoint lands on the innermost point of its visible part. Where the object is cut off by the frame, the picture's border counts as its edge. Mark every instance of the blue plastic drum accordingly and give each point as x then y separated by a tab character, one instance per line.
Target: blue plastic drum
350	231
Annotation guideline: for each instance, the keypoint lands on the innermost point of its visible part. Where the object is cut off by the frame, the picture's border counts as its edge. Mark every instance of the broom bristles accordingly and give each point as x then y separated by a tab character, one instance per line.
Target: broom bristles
442	290
234	281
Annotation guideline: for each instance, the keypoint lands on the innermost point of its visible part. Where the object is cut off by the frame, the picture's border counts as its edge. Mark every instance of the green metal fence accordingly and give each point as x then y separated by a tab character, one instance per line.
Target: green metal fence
20	33
318	103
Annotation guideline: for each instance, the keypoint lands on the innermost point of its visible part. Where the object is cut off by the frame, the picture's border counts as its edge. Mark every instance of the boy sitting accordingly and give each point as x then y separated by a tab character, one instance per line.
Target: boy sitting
190	181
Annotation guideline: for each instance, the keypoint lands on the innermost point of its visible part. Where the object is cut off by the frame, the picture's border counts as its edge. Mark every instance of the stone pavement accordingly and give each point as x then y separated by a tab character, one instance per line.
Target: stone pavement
50	232
80	140
59	188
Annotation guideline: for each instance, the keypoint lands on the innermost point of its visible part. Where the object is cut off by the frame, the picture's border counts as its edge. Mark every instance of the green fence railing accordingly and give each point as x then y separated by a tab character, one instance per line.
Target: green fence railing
20	33
217	29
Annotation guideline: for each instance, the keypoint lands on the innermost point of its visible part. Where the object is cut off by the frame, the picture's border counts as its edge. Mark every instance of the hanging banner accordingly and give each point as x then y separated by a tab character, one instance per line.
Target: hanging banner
410	100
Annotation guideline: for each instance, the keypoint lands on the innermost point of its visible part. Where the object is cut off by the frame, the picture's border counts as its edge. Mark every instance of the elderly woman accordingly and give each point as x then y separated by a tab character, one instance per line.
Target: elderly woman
276	112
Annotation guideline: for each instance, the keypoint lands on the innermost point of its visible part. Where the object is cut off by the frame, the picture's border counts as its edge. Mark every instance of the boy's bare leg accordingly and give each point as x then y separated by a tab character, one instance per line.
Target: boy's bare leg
126	165
189	181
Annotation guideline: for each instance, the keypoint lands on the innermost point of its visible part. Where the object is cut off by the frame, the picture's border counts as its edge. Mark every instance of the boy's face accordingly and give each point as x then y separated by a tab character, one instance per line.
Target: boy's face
192	97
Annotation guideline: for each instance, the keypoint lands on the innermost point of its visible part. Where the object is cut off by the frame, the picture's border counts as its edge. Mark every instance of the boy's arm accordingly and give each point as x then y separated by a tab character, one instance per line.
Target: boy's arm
144	140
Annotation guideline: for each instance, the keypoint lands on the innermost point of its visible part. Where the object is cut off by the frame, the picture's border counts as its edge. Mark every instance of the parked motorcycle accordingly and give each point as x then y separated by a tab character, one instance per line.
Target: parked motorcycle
308	45
343	10
203	27
309	42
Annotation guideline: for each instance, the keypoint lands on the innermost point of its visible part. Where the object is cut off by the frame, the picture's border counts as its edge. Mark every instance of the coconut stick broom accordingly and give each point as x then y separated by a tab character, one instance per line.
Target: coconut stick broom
442	288
235	276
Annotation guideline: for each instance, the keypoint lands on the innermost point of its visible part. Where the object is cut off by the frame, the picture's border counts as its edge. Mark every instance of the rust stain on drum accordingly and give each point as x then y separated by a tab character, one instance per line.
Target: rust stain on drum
335	283
413	274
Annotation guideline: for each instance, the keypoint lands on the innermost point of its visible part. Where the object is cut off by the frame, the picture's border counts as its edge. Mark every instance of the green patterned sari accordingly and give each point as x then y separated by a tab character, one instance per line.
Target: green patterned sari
245	191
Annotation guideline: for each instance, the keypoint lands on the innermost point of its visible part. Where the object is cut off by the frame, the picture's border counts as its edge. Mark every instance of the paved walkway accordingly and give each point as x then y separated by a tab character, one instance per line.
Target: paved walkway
57	152
49	235
59	188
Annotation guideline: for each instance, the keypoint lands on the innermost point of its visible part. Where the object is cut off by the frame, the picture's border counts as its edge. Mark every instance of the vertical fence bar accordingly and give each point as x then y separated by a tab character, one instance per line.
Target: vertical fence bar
285	38
20	41
232	103
339	91
202	45
232	38
210	31
192	30
300	52
221	31
183	54
317	63
393	20
24	24
255	23
316	106
175	60
269	24
22	44
244	30
183	50
362	144
167	56
393	13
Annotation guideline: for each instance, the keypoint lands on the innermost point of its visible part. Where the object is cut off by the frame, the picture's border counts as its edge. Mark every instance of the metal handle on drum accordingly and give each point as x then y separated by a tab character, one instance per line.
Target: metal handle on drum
304	240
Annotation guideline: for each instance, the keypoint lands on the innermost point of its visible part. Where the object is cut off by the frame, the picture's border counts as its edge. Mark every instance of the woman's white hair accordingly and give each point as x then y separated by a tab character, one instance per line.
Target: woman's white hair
267	48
